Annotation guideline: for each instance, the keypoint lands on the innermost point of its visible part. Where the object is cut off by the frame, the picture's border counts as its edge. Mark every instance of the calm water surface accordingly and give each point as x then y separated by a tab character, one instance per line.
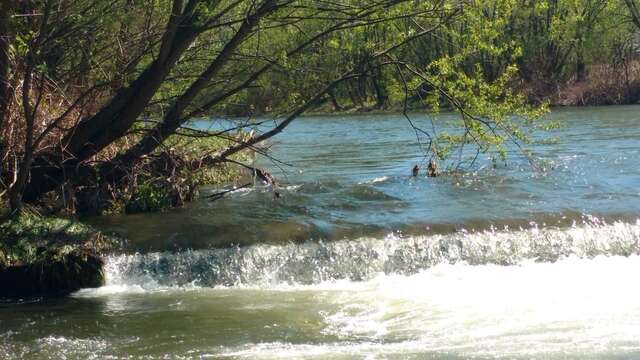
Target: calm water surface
359	260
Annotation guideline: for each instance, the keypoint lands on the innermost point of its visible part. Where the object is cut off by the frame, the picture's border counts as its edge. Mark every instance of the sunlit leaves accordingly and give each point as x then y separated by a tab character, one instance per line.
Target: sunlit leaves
491	113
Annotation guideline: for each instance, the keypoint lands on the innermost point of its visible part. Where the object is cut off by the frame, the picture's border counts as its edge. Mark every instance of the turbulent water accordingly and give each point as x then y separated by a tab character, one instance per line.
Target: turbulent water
359	260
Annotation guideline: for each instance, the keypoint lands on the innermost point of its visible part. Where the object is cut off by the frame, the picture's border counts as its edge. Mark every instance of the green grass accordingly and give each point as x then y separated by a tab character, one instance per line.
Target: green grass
29	238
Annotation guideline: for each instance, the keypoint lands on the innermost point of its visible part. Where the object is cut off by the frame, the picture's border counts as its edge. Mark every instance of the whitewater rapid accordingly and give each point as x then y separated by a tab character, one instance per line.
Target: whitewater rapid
574	308
534	293
270	266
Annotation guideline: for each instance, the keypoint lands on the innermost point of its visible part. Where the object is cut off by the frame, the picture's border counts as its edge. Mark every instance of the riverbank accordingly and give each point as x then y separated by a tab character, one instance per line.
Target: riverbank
50	256
604	85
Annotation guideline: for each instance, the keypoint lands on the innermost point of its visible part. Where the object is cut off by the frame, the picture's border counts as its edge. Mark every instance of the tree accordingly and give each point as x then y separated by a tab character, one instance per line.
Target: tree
5	81
105	83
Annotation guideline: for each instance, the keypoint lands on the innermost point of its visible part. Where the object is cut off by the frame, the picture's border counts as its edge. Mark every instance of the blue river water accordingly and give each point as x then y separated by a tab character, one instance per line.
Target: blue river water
359	260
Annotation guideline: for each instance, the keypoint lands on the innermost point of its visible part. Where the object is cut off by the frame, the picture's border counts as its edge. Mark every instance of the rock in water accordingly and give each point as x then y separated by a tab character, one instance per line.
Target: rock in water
53	274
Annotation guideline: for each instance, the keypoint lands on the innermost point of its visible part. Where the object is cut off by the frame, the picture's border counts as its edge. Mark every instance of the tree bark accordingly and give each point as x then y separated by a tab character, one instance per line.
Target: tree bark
23	171
378	86
581	68
634	10
334	100
5	41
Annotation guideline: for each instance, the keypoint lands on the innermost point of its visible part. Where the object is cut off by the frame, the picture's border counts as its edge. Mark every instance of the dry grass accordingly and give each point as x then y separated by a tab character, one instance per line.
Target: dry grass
56	112
605	85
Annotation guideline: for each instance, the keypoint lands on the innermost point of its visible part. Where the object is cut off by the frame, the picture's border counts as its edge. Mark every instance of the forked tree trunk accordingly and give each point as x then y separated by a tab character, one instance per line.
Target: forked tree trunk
114	119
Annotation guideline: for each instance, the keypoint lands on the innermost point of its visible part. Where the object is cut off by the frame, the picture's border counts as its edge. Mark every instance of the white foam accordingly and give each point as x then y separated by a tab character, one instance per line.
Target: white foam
531	310
582	305
316	263
375	181
110	290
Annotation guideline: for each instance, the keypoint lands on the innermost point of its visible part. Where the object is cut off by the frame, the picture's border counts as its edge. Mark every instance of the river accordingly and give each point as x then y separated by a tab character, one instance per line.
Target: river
357	259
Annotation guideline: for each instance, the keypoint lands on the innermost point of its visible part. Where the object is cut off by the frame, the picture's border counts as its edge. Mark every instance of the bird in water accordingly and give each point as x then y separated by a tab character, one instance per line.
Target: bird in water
432	169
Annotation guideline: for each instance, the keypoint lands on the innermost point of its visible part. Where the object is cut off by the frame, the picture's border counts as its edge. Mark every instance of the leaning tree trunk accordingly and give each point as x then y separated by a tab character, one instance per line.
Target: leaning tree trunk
114	120
174	117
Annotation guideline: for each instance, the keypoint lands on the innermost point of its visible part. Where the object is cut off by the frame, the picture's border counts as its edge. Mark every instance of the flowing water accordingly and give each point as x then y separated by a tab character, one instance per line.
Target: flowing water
357	259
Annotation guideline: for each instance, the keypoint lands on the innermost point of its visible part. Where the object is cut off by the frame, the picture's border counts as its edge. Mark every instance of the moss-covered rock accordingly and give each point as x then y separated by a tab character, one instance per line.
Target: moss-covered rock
42	256
53	274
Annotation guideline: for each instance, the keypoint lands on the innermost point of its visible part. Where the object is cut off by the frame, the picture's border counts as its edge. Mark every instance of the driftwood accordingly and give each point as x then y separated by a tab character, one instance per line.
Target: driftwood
220	194
263	175
259	173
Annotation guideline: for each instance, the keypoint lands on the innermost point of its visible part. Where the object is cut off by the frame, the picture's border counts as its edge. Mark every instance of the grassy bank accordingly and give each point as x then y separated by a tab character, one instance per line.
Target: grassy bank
49	256
169	177
53	255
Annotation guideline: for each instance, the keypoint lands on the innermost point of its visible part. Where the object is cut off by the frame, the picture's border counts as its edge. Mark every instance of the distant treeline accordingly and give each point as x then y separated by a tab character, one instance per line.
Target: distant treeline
567	52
